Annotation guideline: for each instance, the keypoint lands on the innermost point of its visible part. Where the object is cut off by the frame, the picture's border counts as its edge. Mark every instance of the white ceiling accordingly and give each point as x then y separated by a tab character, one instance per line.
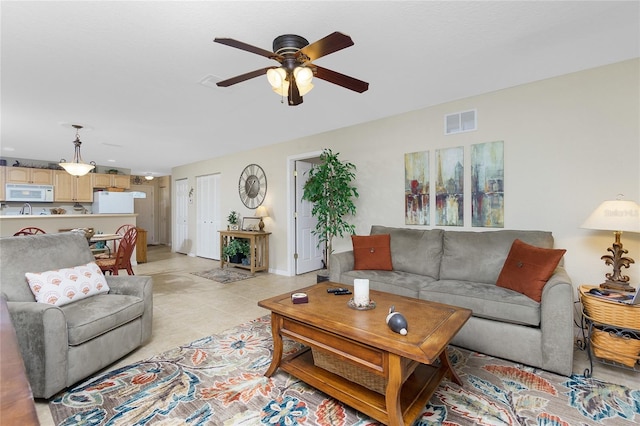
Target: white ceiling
130	71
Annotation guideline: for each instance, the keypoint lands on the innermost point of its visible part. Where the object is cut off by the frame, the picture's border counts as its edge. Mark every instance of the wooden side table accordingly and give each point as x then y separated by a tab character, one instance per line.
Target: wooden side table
612	331
16	399
259	243
141	246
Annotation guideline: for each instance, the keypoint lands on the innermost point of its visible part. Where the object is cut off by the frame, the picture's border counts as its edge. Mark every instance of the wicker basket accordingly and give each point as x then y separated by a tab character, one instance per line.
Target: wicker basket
615	348
610	312
350	372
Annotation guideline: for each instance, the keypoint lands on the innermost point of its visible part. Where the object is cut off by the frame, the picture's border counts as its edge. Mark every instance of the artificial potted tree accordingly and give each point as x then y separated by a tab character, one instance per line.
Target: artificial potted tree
330	189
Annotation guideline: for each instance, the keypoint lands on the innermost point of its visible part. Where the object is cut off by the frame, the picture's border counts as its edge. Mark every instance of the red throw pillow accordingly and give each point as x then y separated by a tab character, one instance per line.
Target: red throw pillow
528	268
372	252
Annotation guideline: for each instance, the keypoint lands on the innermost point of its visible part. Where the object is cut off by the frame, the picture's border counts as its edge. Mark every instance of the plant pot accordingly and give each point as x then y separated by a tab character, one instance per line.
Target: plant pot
236	258
322	276
245	261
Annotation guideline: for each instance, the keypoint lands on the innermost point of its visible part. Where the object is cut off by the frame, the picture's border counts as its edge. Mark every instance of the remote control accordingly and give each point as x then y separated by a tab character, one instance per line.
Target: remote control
335	290
340	293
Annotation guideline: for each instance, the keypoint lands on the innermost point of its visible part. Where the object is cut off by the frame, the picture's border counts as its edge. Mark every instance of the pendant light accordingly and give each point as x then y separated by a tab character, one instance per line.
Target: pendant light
77	167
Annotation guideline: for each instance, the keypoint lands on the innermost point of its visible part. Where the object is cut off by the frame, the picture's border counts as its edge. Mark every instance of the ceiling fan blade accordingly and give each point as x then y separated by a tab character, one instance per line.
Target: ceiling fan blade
243	77
249	48
331	43
341	79
294	97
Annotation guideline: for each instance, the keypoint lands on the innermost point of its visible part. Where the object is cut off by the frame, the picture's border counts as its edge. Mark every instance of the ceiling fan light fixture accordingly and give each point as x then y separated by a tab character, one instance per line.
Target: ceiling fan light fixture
303	76
296	56
282	90
76	167
304	89
276	77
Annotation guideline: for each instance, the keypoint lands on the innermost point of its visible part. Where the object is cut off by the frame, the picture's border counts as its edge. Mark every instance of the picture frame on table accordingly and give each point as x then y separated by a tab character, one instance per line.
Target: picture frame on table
250	223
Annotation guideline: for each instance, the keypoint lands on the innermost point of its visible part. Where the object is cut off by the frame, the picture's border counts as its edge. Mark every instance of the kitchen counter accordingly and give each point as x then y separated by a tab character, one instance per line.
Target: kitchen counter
105	223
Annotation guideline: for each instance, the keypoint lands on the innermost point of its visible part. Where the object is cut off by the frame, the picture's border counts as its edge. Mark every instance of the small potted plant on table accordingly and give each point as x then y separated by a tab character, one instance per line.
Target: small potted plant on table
233	219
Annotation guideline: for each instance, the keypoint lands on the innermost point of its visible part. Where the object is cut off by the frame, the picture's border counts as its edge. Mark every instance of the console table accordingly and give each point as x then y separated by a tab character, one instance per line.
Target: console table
259	243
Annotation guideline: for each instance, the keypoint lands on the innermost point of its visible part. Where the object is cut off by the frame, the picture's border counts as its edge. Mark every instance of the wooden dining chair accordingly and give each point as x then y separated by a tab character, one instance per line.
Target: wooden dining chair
122	258
30	230
121	231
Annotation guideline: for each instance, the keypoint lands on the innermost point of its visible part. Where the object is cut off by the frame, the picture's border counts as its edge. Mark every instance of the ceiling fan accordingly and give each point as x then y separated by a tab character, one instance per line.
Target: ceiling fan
295	55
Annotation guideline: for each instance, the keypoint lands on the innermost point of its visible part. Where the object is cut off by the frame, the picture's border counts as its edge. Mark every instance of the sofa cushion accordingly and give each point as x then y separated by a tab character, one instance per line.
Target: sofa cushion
528	268
62	286
485	300
479	256
96	315
372	252
416	251
396	282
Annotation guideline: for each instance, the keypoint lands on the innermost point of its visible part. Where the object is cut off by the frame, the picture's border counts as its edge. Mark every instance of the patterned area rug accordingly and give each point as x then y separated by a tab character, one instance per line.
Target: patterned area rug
226	275
218	380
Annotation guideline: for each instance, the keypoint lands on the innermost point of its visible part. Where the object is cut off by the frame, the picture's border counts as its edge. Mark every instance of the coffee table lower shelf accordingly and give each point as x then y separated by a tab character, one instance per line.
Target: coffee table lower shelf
414	395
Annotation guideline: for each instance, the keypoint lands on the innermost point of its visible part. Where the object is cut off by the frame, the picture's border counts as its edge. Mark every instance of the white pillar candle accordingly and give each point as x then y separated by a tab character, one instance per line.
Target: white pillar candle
361	292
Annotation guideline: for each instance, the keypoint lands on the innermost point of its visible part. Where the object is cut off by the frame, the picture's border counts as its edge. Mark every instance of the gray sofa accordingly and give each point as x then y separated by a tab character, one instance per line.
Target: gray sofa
461	268
62	345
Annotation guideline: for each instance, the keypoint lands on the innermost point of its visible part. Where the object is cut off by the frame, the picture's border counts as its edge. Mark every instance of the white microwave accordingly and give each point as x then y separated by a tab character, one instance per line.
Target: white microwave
29	193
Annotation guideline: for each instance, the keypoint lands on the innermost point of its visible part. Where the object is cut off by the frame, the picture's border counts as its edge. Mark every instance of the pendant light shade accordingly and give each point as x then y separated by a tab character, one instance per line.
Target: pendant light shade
77	167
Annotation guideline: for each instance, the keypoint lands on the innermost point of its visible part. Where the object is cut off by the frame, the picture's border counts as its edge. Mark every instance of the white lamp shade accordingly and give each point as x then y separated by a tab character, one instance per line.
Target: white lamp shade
282	90
616	215
303	76
77	169
261	211
305	89
276	77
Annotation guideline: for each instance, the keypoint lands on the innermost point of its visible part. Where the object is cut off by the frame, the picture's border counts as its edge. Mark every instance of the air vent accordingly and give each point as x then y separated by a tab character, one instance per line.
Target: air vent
459	122
210	81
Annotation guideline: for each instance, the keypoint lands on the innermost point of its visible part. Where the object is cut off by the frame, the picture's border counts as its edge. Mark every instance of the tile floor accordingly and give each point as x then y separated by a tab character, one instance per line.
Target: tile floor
187	307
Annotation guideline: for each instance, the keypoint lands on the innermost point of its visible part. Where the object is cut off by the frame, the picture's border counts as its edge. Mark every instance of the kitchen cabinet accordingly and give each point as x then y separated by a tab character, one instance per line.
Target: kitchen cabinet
3	181
72	188
104	180
29	175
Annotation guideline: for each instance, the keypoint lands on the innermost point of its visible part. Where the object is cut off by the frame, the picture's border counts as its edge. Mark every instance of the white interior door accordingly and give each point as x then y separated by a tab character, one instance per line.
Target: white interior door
144	208
164	214
208	216
181	242
309	255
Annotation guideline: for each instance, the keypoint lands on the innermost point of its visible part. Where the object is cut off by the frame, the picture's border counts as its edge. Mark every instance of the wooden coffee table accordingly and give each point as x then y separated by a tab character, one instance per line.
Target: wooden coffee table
412	366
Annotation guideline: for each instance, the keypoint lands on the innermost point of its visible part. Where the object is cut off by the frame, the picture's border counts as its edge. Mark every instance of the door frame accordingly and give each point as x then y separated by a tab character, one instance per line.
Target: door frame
291	206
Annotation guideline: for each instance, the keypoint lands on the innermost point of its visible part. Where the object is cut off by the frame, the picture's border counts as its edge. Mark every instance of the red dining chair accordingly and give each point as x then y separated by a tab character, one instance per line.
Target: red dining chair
31	230
122	258
121	231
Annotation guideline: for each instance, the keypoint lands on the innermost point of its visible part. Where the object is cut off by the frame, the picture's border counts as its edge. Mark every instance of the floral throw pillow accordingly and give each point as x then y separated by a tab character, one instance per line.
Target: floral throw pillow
67	285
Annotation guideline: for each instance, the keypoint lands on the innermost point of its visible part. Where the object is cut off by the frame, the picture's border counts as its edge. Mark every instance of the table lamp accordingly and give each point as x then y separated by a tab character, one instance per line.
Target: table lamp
618	216
261	212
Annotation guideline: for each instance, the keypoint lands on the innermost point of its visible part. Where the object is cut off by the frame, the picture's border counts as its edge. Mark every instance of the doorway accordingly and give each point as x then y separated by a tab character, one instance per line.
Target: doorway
144	208
304	252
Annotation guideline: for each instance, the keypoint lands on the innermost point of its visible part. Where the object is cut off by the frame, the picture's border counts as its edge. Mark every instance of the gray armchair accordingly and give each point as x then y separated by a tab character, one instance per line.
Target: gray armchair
63	345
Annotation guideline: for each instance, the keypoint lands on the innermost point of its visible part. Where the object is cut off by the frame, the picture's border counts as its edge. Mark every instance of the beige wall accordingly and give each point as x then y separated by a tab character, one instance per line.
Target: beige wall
571	142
